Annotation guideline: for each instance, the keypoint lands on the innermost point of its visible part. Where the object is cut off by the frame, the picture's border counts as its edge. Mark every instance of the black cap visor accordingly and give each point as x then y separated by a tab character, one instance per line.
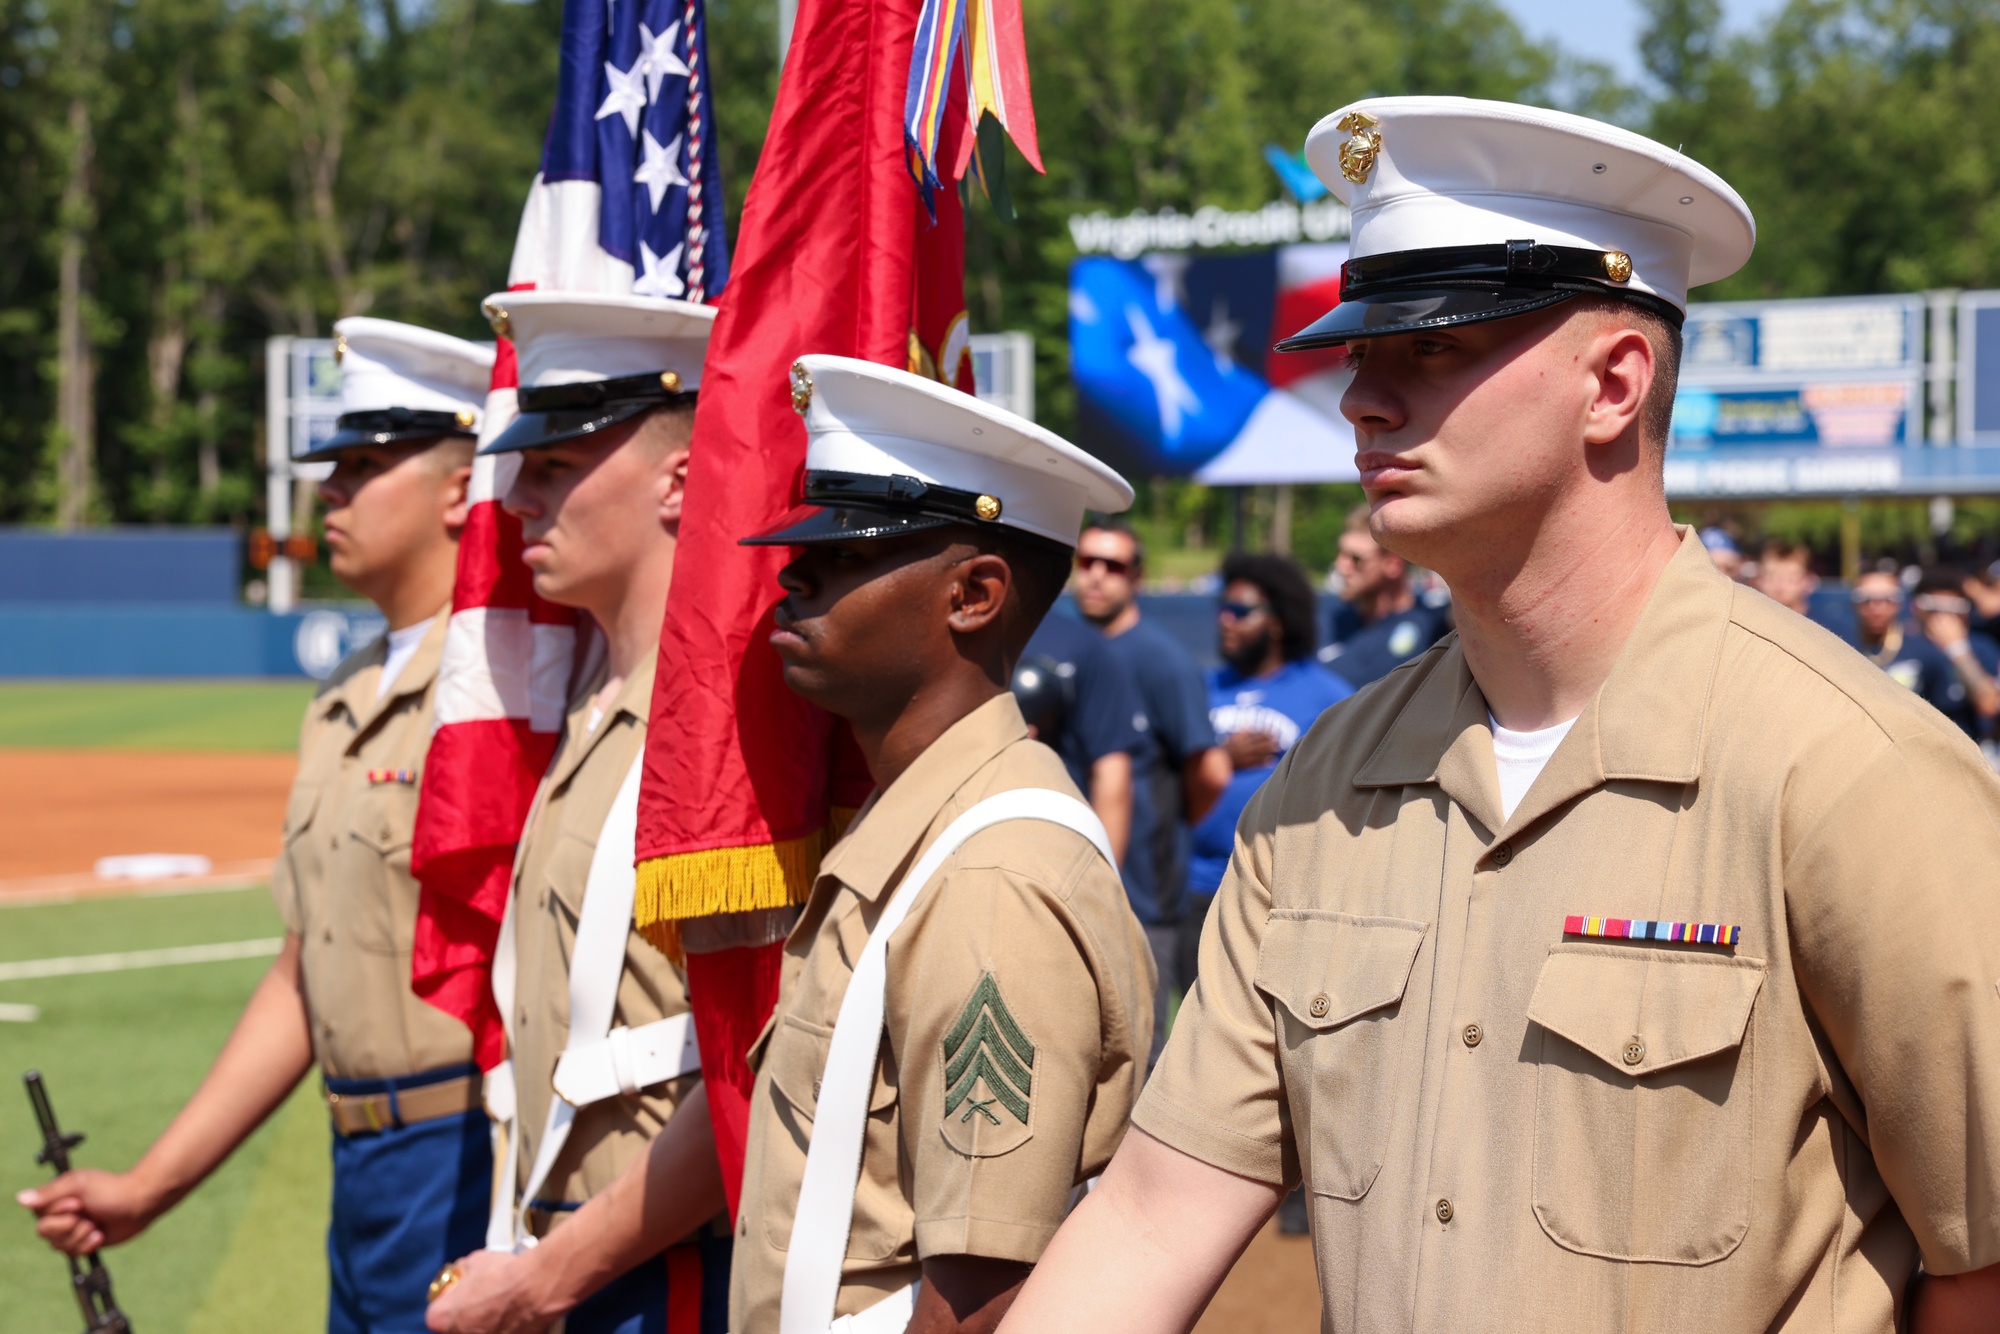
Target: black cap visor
532	430
1413	290
388	426
804	525
551	414
1413	312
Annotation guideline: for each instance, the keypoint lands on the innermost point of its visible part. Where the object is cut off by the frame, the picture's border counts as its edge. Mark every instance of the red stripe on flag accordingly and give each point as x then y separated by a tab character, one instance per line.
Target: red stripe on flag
684	1282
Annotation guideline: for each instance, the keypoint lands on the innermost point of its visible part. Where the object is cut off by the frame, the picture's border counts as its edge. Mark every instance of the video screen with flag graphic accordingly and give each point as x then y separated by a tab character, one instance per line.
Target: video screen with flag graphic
1175	376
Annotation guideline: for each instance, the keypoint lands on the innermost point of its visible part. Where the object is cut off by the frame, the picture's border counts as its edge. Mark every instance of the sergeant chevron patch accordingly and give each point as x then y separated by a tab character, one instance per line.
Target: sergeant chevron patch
986	1046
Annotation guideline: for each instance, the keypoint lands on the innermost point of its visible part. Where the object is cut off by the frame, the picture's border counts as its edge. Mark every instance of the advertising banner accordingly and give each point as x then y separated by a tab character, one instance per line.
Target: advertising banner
1836	372
1979	368
1175	376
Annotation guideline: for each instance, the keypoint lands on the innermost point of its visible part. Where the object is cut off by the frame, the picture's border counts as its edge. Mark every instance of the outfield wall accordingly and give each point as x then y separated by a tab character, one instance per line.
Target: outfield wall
141	642
152	641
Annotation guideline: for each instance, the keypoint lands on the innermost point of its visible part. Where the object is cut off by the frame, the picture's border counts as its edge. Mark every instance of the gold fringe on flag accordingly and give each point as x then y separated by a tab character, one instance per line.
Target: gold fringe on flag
673	888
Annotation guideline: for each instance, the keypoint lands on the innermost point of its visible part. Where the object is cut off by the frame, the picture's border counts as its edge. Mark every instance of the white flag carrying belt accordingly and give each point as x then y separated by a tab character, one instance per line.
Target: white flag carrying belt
598	1061
833	1157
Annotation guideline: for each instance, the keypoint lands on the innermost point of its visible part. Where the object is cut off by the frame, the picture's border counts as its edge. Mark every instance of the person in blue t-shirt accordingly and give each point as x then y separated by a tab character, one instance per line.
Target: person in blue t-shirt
1267	692
1081	702
1182	772
1391	627
1936	657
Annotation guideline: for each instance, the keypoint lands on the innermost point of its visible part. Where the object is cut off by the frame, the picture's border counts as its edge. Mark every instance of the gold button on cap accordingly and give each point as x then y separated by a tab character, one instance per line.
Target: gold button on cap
1444	1211
1473	1035
1320	1005
1635	1052
987	508
1618	266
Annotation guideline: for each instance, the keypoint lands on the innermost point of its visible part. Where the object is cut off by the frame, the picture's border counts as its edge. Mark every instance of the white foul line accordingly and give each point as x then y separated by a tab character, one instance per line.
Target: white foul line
119	963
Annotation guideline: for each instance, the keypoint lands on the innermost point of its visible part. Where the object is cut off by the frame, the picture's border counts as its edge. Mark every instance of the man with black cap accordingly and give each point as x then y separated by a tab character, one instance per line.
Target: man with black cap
1627	961
412	1155
601	1047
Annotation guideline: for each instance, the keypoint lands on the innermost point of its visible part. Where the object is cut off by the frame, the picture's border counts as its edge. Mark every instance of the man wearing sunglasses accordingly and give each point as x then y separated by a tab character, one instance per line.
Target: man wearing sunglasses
1268	691
1178	777
1935	655
1394	627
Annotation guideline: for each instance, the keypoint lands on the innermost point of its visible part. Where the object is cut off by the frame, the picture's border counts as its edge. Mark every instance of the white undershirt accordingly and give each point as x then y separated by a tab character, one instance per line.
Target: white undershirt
1520	757
402	647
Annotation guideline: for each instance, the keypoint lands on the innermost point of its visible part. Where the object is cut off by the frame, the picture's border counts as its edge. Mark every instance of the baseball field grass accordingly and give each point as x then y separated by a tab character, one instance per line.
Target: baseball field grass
154	715
121	1051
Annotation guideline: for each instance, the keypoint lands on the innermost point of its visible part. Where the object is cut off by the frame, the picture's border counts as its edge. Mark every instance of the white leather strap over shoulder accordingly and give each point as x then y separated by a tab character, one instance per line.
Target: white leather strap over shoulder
598	1062
891	1315
833	1157
627	1060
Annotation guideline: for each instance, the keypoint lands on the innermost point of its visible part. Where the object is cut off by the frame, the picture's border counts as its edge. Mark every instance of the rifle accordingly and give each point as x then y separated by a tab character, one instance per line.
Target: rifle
88	1279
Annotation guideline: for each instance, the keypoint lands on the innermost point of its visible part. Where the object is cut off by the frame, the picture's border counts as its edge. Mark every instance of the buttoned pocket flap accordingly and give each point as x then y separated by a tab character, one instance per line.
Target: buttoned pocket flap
1329	968
300	806
1641	1011
385	816
796	1058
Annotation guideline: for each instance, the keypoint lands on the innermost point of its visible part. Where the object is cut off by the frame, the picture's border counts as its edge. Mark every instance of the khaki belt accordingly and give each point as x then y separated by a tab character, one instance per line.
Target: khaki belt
368	1113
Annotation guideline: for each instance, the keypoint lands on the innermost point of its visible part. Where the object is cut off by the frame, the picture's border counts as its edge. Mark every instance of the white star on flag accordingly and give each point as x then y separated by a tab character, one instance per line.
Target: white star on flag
662	276
627	97
1220	335
657	59
1153	357
660	169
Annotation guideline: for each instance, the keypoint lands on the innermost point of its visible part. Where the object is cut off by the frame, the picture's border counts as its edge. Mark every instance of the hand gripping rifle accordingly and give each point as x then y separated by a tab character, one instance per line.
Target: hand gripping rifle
88	1278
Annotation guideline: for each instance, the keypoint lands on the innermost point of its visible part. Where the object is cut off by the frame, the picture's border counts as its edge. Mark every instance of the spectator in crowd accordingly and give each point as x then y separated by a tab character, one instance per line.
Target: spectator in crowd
1934	655
1267	692
1785	575
1095	712
1723	551
1394	626
1183	770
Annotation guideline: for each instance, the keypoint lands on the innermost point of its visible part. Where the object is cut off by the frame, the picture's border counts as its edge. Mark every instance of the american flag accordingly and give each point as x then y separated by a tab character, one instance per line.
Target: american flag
629	195
628	199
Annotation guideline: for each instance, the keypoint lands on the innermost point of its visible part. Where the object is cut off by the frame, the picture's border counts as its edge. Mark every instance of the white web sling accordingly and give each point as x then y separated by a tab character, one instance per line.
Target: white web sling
833	1158
598	1061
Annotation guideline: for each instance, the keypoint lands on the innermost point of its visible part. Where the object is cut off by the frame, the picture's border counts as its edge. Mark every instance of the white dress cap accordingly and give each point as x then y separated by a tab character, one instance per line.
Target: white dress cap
401	384
576	337
883	441
384	364
1422	173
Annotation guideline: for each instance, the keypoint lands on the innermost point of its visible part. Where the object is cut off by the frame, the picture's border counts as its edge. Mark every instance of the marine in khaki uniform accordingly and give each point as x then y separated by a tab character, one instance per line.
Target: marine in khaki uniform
1016	996
1630	960
607	406
412	1156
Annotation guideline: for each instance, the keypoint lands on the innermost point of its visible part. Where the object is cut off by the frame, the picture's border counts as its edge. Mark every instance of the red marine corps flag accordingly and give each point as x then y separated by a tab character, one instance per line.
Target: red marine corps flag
837	254
626	201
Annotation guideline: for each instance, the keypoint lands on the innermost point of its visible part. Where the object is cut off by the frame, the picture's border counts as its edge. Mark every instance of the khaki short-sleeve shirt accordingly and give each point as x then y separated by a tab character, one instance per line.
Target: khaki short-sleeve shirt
343	883
1017	1018
1507	1122
549	880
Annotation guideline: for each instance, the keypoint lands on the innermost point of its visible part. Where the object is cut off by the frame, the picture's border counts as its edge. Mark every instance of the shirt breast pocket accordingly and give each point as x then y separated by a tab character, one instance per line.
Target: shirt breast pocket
1338	982
795	1057
1643	1101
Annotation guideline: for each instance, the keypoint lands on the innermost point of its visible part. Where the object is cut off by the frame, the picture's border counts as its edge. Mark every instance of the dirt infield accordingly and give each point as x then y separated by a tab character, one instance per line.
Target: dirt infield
1272	1290
67	808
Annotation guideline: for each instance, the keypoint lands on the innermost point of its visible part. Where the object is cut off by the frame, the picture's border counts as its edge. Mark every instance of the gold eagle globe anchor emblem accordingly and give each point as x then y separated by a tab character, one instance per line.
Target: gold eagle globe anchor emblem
1363	146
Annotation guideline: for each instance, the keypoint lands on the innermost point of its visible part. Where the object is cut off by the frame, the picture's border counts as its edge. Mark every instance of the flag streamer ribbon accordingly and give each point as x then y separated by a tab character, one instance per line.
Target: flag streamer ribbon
988	35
